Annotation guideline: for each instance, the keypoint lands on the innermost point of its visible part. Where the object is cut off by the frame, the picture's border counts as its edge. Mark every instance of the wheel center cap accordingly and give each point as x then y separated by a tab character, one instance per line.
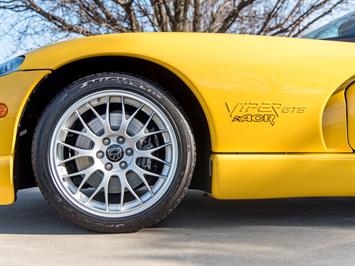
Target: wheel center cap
114	153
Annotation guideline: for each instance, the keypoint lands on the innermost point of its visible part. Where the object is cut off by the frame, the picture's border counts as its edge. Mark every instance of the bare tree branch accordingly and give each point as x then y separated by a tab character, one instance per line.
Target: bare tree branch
63	18
233	14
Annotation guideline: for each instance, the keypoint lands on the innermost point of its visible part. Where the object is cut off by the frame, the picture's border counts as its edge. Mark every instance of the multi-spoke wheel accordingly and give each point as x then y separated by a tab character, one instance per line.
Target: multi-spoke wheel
113	153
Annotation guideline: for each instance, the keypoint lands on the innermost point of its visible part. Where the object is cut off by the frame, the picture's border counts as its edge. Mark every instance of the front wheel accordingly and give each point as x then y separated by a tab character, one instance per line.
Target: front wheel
113	153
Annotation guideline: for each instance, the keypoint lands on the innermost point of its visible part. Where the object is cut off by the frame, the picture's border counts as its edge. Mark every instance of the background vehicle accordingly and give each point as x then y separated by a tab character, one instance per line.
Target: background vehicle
342	29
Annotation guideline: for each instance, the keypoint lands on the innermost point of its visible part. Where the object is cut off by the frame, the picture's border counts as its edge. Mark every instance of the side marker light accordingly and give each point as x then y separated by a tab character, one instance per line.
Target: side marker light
3	110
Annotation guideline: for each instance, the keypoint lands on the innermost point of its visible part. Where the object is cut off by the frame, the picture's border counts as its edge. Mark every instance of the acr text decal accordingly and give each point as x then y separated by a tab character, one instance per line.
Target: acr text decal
260	112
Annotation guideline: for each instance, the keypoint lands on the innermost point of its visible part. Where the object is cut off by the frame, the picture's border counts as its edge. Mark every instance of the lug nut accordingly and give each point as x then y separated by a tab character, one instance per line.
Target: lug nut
123	165
108	166
129	151
100	154
120	139
106	141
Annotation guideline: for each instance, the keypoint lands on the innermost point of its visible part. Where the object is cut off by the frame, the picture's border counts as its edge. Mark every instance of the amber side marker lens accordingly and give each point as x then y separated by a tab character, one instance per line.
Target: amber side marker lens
3	110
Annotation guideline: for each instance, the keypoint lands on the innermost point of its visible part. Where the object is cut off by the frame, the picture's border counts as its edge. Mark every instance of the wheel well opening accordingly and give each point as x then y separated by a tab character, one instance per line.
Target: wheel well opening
67	74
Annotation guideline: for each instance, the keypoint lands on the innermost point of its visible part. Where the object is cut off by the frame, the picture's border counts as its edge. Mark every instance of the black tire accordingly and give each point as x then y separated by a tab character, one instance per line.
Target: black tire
100	82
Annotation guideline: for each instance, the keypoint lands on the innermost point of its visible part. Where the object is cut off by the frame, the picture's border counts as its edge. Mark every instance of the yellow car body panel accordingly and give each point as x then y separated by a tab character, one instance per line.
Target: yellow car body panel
335	124
14	91
263	176
295	77
7	192
275	107
350	98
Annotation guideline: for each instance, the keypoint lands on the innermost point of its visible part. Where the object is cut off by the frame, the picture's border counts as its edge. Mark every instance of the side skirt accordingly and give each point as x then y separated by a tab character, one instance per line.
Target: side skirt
257	176
7	191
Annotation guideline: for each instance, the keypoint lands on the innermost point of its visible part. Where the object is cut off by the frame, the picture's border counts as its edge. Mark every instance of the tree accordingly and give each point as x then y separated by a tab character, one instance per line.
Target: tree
61	18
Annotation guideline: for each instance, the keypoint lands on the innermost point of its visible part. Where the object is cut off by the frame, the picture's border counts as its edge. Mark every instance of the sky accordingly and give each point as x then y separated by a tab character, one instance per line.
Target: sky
10	48
5	43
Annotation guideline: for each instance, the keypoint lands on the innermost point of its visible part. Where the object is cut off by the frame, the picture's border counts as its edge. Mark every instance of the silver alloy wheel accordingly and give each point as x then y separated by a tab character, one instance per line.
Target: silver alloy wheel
113	153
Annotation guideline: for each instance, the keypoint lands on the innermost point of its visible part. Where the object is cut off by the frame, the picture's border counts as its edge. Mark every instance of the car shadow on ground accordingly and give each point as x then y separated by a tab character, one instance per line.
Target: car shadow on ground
32	215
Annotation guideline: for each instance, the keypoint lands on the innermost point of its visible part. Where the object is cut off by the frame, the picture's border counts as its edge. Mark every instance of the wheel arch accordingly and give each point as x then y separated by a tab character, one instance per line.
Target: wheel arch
66	74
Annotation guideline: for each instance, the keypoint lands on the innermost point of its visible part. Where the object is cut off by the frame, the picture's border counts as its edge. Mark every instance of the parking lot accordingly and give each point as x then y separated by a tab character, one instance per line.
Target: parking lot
201	231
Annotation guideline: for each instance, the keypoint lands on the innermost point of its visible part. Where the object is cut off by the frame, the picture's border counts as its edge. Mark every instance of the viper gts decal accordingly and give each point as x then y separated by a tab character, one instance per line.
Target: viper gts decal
260	111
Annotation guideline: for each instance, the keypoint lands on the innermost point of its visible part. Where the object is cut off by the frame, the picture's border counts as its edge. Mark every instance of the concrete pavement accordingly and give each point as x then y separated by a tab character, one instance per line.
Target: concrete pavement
202	231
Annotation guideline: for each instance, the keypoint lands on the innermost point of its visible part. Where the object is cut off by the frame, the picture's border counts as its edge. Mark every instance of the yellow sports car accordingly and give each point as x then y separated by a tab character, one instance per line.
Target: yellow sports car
116	128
